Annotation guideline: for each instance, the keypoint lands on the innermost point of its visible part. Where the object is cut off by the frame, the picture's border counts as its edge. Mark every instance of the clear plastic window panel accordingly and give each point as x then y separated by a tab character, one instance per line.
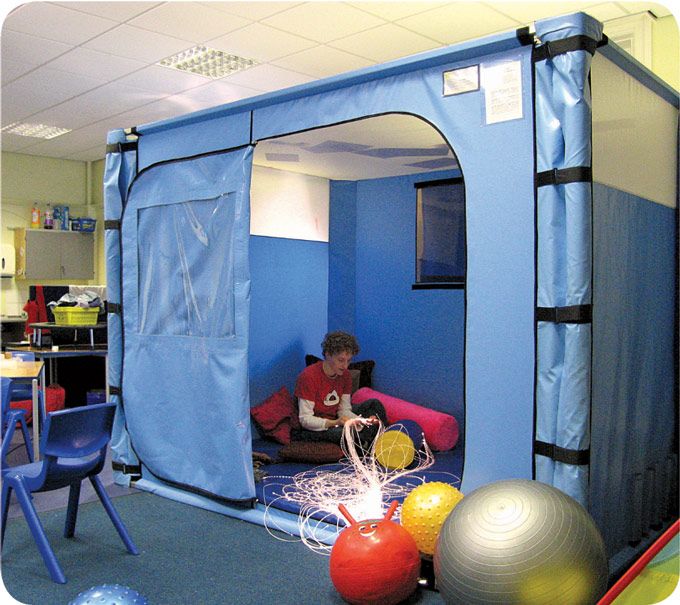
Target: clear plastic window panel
187	289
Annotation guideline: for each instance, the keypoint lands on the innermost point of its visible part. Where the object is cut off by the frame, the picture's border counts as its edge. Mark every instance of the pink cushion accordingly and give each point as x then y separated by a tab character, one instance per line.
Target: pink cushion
276	415
441	430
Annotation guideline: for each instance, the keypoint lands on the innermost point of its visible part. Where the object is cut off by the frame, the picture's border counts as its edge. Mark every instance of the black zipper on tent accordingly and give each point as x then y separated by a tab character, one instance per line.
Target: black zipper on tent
535	170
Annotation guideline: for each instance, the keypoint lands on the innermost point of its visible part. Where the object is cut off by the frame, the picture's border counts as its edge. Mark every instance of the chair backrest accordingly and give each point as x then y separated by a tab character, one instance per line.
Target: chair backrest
6	388
77	432
23	355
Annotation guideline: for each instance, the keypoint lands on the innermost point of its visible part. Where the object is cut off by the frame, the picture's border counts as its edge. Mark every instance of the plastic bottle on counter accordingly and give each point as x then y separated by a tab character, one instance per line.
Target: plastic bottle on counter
48	222
35	217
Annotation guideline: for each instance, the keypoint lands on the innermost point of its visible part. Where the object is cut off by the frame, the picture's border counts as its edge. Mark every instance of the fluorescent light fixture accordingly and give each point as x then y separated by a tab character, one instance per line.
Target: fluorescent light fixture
207	62
38	131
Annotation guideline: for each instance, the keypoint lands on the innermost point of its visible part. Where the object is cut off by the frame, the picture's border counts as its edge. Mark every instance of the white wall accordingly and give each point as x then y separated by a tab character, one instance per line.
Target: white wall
288	205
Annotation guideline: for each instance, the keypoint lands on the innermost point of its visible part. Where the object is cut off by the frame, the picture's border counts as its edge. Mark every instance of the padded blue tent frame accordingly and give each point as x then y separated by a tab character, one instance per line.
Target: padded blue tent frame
176	196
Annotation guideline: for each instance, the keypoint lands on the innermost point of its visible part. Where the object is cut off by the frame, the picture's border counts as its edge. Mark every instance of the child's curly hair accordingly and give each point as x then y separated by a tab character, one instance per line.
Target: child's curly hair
339	342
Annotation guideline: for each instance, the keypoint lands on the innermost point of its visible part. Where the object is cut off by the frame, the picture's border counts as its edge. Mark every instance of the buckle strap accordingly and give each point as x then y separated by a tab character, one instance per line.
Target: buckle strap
128	469
121	147
562	454
562	176
575	314
553	48
112	307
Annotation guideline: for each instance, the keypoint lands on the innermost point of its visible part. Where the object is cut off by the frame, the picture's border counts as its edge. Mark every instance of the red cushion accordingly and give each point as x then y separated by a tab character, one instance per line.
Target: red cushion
276	416
316	452
440	429
55	397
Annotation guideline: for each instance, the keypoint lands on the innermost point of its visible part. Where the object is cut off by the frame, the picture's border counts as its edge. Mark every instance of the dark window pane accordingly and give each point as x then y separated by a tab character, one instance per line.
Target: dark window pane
440	239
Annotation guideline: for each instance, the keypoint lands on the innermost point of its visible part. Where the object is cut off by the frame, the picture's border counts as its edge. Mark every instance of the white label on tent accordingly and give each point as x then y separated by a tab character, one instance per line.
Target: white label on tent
457	81
502	83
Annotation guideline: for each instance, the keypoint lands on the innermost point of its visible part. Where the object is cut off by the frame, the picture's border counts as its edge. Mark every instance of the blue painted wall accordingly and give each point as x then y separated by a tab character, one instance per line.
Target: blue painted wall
342	259
288	310
415	337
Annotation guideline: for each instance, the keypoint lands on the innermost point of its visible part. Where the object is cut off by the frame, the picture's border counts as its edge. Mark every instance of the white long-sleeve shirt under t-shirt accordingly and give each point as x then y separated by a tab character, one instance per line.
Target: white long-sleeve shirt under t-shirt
315	423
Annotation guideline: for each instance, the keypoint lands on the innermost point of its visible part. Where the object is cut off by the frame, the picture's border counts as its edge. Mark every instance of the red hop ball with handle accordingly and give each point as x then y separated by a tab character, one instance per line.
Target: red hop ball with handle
374	561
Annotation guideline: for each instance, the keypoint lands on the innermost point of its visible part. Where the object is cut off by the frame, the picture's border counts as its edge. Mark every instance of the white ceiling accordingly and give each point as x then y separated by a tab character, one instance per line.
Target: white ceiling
90	66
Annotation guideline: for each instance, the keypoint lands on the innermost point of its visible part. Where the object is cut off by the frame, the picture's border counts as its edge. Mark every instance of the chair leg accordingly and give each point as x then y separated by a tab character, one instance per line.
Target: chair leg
38	532
7	435
27	438
72	510
6	497
113	515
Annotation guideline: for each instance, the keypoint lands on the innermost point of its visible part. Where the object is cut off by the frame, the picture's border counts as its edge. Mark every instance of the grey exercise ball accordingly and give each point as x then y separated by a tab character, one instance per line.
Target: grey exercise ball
520	541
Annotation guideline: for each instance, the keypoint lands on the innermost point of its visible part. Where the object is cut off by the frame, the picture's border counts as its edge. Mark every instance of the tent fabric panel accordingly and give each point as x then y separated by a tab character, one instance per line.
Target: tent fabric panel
119	171
499	381
186	332
630	153
634	365
218	133
563	126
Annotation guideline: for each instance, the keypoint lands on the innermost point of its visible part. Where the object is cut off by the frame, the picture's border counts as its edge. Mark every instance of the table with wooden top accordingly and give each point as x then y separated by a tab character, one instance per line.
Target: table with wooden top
33	371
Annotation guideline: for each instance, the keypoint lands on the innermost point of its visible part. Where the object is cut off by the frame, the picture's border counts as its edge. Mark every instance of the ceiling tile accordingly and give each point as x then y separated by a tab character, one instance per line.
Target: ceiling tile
96	105
528	12
260	42
323	21
151	112
605	11
391	11
70	142
218	93
14	142
458	21
40	89
30	49
385	43
116	11
139	44
252	10
54	22
88	62
660	10
323	61
268	78
189	21
162	79
11	70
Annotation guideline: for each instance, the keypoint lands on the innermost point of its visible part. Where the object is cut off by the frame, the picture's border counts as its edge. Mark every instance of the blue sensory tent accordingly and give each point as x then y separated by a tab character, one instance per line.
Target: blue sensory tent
564	343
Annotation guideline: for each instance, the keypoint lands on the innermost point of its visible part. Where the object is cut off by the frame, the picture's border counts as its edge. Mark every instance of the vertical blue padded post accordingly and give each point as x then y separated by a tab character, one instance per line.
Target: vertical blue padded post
564	224
119	171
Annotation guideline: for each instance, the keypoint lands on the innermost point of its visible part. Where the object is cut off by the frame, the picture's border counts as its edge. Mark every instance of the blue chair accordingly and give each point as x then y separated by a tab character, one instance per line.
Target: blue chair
73	445
22	390
10	417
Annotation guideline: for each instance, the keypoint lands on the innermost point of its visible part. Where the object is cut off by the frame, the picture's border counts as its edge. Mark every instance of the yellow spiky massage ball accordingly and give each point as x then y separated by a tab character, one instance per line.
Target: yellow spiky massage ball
424	511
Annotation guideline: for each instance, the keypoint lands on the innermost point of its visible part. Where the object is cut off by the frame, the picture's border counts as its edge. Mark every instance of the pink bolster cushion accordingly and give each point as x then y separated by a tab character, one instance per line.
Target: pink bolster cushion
441	430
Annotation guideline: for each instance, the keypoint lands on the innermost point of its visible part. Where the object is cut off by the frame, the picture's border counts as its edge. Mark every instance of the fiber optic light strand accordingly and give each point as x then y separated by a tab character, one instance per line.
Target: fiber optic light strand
358	482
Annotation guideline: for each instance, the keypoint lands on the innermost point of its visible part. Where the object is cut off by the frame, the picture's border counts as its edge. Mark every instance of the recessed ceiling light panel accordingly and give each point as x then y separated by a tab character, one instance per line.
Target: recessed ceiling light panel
38	131
207	62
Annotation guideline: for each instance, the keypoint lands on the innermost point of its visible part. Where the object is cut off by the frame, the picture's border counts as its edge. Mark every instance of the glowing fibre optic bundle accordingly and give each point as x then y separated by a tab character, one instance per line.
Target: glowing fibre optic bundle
358	481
